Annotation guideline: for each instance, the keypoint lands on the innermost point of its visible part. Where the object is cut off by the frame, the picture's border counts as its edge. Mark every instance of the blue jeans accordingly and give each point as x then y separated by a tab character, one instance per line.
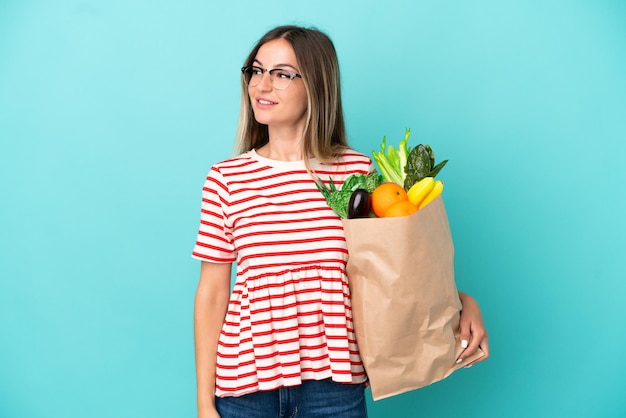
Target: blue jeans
312	399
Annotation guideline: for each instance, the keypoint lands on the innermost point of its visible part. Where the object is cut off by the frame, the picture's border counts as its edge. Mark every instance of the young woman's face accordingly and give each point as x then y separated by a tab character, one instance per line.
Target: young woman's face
278	108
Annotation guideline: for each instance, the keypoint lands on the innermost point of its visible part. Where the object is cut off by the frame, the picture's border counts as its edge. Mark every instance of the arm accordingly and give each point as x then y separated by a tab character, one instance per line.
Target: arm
472	329
211	304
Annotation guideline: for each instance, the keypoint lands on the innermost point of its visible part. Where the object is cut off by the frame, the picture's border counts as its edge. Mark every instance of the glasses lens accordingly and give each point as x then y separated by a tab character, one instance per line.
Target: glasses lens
250	75
280	79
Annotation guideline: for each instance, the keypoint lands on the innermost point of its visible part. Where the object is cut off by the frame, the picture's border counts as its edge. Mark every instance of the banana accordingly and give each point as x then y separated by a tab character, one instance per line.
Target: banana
420	190
436	191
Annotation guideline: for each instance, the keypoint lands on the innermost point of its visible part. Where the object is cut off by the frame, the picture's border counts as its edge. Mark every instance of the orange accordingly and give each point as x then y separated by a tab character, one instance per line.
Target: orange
385	195
401	208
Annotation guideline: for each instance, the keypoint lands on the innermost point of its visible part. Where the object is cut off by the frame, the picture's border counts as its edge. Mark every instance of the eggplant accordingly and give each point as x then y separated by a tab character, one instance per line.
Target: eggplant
360	204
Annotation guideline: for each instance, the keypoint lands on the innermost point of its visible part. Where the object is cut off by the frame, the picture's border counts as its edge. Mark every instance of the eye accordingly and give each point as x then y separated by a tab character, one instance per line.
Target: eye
256	70
282	74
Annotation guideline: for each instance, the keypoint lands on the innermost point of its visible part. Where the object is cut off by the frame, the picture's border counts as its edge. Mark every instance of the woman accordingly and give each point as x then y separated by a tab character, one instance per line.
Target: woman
282	344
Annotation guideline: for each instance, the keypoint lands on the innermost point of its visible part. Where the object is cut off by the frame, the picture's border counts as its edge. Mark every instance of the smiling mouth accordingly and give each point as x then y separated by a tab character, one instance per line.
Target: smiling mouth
265	102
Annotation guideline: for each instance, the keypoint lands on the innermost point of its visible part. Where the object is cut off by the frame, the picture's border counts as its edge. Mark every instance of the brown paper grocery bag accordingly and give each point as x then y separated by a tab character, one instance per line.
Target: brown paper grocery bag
405	303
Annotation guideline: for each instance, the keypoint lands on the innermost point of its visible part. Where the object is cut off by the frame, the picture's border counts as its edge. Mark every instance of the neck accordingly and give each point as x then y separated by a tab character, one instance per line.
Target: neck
283	145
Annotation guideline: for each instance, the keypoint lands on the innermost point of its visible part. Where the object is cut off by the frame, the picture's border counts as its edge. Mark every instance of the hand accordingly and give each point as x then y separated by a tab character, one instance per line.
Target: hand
208	413
473	332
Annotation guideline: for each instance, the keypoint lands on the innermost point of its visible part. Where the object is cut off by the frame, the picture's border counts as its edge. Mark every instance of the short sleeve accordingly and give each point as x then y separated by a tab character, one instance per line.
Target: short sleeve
214	241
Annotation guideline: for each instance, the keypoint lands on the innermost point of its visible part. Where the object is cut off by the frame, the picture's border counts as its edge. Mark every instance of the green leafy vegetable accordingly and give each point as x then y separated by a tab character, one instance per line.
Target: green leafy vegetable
420	164
391	161
436	169
338	199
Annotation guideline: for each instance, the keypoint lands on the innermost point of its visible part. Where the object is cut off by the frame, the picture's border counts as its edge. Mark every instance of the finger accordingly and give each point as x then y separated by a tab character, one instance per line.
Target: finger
484	346
477	336
475	342
465	336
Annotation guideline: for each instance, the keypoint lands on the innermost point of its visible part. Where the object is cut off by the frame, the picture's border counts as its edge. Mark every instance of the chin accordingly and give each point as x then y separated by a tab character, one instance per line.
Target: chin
262	119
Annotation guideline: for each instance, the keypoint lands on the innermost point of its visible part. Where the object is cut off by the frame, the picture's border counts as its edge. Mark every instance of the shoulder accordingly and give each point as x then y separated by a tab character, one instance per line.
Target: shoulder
235	162
230	169
348	161
352	156
235	167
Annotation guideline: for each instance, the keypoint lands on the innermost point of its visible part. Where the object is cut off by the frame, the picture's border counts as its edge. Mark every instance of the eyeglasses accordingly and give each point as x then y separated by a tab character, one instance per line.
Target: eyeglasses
279	77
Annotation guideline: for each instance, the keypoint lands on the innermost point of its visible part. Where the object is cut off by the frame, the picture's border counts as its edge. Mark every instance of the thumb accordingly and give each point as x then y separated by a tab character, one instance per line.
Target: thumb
464	335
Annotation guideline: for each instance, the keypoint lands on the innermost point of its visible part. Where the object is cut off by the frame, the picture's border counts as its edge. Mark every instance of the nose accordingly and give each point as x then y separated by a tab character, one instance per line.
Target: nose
266	82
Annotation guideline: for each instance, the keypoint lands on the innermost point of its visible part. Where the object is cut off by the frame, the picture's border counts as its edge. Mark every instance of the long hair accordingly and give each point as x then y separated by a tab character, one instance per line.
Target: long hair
324	134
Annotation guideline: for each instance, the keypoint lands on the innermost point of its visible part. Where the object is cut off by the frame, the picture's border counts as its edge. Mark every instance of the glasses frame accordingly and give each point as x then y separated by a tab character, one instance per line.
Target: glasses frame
271	72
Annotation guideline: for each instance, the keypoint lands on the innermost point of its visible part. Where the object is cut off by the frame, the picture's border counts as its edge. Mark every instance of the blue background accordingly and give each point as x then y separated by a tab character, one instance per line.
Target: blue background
111	114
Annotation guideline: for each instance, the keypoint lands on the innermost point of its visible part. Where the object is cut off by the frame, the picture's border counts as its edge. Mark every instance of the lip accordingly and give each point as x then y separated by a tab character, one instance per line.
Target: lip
263	103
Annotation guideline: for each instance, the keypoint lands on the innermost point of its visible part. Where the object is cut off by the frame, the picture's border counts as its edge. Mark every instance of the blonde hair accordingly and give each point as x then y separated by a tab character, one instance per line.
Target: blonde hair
324	134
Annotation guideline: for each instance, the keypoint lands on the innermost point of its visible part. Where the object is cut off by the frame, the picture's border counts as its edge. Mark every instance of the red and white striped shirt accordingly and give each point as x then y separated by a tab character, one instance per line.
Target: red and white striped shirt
289	317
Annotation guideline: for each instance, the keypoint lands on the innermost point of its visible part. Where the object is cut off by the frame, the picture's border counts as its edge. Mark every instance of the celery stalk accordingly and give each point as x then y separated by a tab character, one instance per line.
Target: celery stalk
391	161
